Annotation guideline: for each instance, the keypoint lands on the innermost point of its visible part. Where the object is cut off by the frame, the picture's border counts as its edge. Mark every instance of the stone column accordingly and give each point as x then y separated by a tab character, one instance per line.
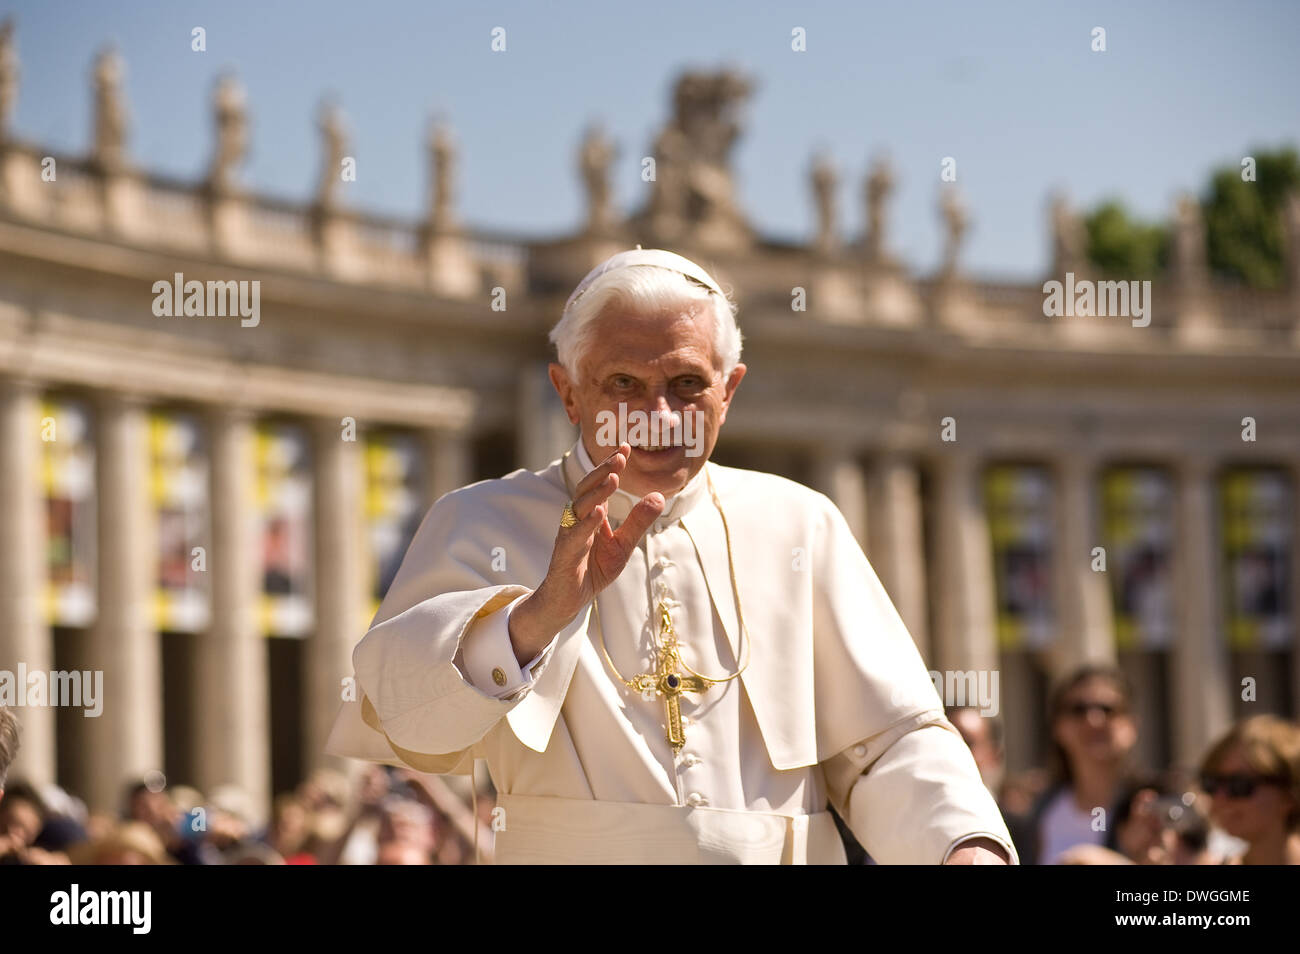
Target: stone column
897	542
448	462
1086	619
1202	704
22	190
1197	321
1291	228
126	741
953	305
228	223
233	745
834	292
544	428
965	616
839	475
24	635
1295	577
342	582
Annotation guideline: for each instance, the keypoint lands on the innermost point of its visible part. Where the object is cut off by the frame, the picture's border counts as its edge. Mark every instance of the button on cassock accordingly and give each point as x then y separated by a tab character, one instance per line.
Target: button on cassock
499	676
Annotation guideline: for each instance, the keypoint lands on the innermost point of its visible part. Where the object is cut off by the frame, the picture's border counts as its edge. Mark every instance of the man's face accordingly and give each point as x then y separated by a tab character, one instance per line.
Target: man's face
652	364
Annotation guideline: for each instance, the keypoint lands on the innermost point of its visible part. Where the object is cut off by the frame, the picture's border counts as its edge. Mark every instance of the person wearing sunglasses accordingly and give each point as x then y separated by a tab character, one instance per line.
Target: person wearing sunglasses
1252	776
1093	735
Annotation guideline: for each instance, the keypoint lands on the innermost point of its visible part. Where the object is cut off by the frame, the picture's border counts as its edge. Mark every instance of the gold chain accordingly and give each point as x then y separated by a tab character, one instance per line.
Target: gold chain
646	682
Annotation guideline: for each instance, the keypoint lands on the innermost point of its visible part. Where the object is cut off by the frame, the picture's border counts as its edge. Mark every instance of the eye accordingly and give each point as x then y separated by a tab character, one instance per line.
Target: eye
622	381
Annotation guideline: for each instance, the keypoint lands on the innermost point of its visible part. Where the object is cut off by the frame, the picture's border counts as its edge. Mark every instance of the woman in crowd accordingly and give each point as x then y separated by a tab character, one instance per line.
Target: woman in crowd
1093	735
1252	776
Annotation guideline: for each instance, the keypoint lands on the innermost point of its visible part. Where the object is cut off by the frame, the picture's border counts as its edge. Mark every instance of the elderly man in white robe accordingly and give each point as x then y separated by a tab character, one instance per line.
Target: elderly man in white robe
660	659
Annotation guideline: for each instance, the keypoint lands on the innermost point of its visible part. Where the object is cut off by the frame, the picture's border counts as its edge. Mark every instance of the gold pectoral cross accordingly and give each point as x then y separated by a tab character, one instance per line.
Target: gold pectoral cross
667	681
672	684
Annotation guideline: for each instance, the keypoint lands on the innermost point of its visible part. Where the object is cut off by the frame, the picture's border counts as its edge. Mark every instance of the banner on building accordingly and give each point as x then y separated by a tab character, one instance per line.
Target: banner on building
1138	529
394	505
68	481
1258	518
179	489
283	488
1018	501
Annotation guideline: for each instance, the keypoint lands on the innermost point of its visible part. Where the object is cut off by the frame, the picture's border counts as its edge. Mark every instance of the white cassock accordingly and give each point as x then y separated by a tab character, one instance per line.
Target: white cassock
835	706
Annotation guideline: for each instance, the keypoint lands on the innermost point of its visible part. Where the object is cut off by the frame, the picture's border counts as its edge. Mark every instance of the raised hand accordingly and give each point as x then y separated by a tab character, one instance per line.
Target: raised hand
587	557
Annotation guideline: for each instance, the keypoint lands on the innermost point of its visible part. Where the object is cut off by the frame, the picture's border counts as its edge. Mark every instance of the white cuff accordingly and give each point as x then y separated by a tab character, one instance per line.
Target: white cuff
487	657
1012	857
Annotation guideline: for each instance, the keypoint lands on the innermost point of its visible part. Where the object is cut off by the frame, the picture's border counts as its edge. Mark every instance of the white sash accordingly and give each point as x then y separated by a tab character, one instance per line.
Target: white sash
540	830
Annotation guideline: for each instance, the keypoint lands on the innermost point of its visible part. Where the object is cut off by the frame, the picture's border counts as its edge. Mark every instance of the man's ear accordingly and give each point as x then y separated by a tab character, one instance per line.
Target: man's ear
733	382
566	389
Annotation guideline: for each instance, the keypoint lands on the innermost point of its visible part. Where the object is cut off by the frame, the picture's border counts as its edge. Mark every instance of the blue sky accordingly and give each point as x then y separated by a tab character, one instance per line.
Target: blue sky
1011	90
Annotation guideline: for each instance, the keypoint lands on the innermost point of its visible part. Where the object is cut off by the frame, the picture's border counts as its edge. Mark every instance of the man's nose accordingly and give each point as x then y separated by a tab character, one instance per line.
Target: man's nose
659	406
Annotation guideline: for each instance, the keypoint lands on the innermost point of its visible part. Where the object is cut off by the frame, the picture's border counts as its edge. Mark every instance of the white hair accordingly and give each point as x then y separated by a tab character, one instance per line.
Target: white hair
645	290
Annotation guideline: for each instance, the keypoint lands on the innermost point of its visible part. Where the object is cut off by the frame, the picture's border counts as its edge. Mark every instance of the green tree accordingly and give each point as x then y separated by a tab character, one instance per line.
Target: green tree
1244	233
1122	247
1243	220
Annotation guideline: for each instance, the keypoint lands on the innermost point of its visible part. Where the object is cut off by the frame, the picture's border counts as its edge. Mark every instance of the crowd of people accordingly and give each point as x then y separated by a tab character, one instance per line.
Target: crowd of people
387	816
1094	804
1091	805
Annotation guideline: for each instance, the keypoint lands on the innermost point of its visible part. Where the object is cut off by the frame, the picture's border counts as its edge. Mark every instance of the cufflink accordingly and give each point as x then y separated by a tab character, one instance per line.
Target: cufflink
499	676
